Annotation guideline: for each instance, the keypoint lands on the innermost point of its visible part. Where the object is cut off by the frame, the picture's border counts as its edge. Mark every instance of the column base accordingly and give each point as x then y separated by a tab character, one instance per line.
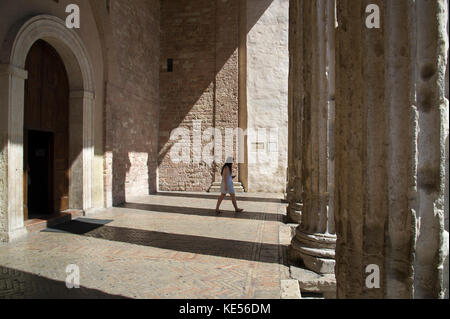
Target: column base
9	237
289	195
294	212
215	187
315	251
311	282
319	265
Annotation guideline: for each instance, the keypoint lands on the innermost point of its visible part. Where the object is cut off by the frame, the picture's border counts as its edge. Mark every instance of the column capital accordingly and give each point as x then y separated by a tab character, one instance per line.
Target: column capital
9	69
81	94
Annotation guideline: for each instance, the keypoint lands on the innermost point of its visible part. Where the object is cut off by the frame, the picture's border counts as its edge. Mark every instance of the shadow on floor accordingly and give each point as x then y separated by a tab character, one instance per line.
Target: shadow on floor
268	253
215	196
203	212
17	284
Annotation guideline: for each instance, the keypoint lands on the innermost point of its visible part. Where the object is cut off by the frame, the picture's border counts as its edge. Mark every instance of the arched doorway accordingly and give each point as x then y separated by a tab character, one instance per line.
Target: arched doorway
14	52
46	134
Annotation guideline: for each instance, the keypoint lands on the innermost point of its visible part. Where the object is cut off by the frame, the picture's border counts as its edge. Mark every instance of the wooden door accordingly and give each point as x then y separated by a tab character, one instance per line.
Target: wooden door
47	110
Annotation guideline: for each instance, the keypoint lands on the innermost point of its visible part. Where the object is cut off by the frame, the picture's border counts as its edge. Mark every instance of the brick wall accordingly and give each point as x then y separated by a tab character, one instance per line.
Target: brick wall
132	99
201	36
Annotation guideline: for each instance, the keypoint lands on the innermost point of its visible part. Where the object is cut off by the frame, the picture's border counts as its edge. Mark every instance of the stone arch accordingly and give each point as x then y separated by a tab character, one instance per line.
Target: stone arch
13	56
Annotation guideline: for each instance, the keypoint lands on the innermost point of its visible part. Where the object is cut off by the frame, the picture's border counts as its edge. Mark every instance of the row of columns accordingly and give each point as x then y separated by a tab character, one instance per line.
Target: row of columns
368	133
313	93
295	99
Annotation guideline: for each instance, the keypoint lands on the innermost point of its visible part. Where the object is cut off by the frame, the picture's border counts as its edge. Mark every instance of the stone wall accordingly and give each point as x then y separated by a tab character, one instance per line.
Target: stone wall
132	99
201	37
267	93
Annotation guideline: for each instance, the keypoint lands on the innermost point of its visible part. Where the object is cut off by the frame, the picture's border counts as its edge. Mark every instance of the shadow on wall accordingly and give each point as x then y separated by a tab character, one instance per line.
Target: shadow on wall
130	40
142	108
202	38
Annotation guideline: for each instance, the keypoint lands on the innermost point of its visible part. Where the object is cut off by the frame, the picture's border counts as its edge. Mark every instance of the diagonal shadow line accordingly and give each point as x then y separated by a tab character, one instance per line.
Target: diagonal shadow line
202	212
31	286
228	248
215	196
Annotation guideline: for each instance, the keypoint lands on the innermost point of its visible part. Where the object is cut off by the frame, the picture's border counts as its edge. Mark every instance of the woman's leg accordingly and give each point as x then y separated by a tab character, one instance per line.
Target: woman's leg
236	208
219	201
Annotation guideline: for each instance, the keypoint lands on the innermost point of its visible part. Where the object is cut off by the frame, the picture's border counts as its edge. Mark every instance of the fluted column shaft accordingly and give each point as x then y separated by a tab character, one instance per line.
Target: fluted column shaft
391	127
295	112
431	60
315	238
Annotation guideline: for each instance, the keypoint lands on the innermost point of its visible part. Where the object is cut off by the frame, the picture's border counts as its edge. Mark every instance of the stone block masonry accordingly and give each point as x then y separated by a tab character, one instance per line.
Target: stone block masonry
201	38
132	100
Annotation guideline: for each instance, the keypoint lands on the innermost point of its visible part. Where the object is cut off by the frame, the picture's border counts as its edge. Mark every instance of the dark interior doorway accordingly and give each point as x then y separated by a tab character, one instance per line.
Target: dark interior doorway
40	173
46	133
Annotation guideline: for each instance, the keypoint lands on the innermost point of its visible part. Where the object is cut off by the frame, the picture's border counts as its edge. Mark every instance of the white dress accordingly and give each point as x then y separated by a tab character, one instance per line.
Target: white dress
229	181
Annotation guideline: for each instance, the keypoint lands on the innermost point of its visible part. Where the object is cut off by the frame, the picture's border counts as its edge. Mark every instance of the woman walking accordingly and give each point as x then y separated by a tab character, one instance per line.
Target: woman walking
227	186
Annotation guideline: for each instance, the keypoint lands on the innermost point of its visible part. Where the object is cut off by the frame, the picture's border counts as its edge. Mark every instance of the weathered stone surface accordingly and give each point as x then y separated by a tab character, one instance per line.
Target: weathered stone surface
285	235
132	99
390	108
319	265
310	281
295	212
388	192
445	249
290	289
295	112
315	237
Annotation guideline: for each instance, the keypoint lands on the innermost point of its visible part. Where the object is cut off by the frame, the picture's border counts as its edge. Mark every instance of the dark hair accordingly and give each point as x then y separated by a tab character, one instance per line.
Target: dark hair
230	166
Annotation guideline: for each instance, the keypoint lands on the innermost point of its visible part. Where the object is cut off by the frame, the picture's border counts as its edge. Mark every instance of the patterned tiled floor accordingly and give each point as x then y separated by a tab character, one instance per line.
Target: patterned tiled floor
170	245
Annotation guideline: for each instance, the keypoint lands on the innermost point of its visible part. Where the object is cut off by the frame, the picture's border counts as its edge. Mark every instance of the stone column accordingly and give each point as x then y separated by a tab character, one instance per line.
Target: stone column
315	237
290	171
81	132
432	123
391	125
76	149
446	192
12	88
294	189
88	149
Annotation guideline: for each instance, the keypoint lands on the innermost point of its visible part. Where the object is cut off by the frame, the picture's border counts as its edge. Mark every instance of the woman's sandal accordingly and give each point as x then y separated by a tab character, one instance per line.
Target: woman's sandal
218	212
239	210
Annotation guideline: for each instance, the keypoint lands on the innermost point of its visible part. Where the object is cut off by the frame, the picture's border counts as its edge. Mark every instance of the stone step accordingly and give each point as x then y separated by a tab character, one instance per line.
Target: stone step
39	224
290	289
312	282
